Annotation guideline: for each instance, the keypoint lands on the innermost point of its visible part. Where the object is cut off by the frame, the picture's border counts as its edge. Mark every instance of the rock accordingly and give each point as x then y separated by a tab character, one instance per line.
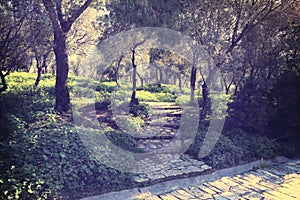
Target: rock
205	167
282	159
152	146
141	179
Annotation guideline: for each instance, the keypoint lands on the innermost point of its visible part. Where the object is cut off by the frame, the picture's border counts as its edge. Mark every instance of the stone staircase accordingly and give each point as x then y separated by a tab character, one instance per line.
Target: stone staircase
160	137
161	128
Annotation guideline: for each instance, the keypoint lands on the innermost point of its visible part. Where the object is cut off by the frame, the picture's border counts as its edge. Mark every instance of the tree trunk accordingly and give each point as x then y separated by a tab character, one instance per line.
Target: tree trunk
160	76
3	81
117	70
141	79
180	83
62	103
133	96
38	78
61	27
205	105
193	83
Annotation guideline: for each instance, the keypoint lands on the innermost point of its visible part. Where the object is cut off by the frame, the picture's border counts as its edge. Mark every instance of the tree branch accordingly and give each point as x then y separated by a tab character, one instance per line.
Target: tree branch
75	16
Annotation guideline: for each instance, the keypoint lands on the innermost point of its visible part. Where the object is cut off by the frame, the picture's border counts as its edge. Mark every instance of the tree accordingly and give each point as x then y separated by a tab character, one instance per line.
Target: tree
15	38
41	42
62	22
221	27
133	99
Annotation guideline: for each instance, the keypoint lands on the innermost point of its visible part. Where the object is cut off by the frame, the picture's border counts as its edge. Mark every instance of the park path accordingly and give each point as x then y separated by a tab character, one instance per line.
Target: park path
160	136
277	179
161	128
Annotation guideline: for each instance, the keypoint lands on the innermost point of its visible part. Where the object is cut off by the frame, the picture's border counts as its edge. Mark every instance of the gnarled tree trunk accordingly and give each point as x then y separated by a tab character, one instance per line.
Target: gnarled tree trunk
61	26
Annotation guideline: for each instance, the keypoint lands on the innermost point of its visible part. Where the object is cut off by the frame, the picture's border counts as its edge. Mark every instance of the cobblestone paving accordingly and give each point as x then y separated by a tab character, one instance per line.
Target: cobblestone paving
172	166
160	136
257	180
279	181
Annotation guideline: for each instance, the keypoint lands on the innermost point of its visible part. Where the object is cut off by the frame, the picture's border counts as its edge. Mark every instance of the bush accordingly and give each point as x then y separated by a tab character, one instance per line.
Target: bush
54	163
129	124
106	86
224	154
166	97
154	87
123	140
146	96
141	110
255	146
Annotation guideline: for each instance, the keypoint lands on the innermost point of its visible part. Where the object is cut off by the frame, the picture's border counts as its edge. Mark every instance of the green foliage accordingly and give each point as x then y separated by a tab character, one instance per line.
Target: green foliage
235	147
255	146
50	163
42	156
130	123
155	88
123	140
106	86
182	100
225	154
166	97
284	112
141	110
155	97
146	96
249	110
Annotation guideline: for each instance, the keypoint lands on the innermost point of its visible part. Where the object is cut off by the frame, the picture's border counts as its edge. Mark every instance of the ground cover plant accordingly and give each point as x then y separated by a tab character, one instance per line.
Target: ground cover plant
42	155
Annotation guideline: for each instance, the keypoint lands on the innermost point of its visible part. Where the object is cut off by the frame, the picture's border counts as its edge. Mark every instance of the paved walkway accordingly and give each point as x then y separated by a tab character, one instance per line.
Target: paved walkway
256	180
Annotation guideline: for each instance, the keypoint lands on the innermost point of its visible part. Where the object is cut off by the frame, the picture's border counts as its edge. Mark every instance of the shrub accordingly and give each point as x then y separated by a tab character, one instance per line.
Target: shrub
224	154
123	140
255	146
54	163
141	110
154	87
129	123
146	96
106	86
166	97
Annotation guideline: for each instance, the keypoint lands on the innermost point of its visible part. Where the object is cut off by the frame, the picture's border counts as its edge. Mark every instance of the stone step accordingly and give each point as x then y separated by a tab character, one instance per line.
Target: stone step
157	137
177	167
166	108
174	126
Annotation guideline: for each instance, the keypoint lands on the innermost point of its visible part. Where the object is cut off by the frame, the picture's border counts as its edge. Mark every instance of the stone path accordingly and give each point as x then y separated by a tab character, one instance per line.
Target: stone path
170	166
161	129
257	180
160	136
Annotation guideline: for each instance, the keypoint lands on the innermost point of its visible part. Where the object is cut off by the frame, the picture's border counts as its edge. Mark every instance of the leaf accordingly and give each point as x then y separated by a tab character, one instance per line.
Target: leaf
63	155
45	157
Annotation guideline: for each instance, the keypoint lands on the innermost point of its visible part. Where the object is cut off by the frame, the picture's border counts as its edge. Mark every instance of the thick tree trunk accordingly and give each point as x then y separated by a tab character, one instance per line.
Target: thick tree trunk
193	83
62	103
61	27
